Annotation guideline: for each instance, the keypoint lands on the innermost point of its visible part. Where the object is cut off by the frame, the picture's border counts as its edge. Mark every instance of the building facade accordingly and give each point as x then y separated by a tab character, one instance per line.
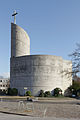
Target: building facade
35	72
4	84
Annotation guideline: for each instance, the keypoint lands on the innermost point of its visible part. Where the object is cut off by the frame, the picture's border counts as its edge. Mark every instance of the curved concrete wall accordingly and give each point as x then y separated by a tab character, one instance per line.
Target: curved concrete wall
36	72
20	42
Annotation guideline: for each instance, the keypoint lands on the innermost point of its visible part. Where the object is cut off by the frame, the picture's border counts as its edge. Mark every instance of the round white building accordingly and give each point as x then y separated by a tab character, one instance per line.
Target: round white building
35	72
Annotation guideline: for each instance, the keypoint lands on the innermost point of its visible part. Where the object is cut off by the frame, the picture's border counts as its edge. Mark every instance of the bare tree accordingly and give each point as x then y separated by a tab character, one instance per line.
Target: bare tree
73	71
75	57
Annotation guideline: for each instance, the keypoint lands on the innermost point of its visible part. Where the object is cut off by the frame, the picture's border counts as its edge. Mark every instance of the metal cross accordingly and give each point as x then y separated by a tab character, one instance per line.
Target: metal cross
14	14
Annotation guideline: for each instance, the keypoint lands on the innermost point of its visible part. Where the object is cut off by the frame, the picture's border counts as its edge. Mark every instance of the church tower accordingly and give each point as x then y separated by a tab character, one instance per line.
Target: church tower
20	42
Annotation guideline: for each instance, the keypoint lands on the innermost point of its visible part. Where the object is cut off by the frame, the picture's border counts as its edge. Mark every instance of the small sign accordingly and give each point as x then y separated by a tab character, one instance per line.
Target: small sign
25	88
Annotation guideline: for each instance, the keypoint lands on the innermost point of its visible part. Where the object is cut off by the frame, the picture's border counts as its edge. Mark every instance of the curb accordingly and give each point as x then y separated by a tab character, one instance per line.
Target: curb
16	113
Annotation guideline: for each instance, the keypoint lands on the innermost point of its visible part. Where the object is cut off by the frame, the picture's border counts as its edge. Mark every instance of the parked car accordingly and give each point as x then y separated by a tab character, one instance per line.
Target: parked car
73	96
32	99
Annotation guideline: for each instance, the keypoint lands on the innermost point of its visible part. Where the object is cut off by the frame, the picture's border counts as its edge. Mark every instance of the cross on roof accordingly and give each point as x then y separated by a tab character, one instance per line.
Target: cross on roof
14	14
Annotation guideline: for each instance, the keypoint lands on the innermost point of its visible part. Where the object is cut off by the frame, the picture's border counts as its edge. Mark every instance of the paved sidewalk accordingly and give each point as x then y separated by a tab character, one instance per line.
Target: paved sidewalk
17	117
43	109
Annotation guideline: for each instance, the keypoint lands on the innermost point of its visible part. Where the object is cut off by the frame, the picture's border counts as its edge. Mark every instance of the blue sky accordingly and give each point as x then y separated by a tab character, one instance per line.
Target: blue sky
52	25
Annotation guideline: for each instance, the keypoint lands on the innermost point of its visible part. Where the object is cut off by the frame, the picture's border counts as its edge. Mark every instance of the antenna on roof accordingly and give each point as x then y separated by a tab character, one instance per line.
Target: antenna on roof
14	14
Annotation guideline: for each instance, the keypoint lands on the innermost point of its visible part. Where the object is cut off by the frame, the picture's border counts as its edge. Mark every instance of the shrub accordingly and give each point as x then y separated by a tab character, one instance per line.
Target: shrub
57	92
41	94
47	94
78	92
74	87
28	93
9	91
12	91
2	92
67	93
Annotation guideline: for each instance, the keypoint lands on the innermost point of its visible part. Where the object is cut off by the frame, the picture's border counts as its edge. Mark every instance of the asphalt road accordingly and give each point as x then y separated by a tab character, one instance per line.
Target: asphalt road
18	117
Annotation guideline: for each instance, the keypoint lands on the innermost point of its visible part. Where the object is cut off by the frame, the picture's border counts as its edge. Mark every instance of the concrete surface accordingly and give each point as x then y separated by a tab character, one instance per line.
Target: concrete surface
17	117
58	108
39	72
35	72
20	42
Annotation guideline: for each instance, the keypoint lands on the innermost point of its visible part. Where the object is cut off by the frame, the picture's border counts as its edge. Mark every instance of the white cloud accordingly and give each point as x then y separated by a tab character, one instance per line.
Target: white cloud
5	75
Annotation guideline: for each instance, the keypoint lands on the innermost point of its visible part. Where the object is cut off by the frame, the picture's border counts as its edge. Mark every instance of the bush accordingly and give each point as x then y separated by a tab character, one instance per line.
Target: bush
67	93
12	91
47	94
41	94
57	92
9	91
78	92
28	93
74	88
2	92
